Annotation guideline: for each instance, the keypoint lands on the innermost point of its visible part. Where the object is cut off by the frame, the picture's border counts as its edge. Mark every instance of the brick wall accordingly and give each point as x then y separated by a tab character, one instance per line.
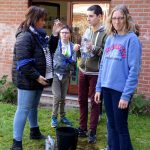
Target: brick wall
12	13
140	10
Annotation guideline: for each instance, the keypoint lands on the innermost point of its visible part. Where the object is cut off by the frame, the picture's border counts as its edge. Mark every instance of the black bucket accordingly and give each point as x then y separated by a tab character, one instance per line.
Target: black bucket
67	138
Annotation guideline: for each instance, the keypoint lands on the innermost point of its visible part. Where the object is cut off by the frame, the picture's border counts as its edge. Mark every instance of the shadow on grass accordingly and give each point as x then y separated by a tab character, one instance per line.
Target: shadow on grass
83	145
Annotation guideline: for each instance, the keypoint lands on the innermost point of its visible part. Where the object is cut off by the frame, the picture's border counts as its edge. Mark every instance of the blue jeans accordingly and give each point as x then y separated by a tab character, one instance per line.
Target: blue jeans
28	101
117	125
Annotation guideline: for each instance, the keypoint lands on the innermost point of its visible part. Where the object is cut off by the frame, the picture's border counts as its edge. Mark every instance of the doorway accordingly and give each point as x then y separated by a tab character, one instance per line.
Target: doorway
73	14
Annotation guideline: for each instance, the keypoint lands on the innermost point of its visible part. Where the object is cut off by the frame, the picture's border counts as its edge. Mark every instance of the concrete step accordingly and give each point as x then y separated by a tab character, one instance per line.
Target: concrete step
47	99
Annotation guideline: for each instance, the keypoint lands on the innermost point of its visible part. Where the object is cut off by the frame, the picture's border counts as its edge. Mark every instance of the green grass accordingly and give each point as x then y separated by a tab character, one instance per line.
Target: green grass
139	129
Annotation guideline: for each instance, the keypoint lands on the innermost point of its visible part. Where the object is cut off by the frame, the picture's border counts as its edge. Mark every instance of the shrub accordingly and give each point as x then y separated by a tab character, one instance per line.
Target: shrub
8	92
139	105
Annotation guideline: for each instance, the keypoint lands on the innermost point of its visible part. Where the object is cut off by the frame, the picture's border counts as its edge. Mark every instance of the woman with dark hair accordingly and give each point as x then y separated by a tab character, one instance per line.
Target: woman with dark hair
32	70
123	52
64	63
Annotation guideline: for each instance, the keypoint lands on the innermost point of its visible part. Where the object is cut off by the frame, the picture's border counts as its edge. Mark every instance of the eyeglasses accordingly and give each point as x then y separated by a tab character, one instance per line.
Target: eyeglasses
65	32
119	18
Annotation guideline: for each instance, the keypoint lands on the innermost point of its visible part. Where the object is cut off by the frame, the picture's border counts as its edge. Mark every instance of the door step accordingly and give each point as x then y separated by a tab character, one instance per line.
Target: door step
47	99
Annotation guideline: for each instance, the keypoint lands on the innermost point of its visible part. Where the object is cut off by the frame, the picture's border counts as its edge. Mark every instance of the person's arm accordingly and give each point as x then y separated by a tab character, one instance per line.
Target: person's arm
99	49
76	49
55	35
98	84
24	48
134	64
53	43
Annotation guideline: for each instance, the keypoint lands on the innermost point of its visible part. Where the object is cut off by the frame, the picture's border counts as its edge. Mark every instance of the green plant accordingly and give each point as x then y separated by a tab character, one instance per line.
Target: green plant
139	127
8	92
139	105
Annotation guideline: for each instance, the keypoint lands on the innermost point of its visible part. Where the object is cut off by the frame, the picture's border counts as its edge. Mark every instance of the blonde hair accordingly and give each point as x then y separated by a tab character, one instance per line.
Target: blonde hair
129	23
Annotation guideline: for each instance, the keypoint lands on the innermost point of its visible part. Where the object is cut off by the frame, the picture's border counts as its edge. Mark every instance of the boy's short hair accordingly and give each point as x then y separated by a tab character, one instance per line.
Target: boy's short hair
96	8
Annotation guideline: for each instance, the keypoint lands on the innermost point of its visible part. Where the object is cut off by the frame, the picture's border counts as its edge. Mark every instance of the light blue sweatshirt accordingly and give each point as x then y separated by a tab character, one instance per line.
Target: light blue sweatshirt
120	65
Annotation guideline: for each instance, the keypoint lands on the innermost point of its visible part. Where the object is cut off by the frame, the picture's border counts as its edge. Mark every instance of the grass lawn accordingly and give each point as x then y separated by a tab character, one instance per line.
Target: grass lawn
139	128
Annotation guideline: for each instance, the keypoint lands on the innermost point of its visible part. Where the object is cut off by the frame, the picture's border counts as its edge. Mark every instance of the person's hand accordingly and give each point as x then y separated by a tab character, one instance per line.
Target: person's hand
123	104
57	27
42	80
76	47
97	97
89	45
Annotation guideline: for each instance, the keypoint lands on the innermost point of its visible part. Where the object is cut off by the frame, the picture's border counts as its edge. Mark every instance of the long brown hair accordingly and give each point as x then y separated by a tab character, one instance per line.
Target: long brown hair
129	23
32	16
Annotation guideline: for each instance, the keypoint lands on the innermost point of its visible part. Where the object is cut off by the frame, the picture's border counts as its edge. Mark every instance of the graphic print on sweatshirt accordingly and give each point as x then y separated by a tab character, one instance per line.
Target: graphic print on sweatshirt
115	51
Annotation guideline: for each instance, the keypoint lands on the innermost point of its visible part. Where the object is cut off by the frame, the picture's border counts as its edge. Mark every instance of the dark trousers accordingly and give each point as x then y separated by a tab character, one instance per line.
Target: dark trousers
87	85
117	125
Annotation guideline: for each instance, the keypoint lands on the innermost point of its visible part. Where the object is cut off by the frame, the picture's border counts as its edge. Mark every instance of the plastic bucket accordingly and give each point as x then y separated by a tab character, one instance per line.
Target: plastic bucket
67	138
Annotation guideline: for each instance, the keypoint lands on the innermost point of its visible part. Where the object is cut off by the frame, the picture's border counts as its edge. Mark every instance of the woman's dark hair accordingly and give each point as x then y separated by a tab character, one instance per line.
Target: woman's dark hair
96	8
67	27
32	16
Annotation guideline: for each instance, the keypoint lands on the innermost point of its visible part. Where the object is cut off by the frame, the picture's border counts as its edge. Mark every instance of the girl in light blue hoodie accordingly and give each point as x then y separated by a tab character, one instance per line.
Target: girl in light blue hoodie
118	75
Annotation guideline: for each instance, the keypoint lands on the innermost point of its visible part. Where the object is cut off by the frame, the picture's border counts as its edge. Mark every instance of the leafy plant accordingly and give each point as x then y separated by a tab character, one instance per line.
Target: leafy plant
139	105
8	92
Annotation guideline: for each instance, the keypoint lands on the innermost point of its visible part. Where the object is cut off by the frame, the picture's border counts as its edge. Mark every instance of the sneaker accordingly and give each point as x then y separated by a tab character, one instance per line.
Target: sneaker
65	121
82	132
54	122
92	137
